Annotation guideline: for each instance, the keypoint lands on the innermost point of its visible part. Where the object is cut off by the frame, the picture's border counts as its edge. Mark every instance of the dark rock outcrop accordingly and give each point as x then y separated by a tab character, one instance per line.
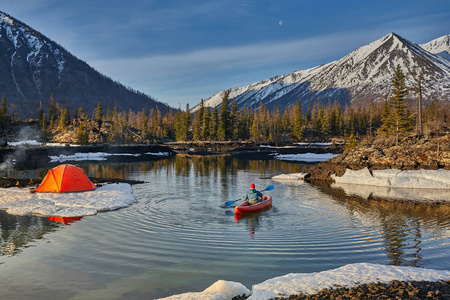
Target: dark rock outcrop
411	153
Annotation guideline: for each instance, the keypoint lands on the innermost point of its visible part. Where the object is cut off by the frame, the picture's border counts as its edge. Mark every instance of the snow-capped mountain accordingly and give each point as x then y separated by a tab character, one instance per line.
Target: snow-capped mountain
439	46
33	67
363	75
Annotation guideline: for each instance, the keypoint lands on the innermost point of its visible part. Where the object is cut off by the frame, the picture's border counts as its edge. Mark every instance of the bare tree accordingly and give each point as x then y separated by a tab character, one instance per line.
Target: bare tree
417	74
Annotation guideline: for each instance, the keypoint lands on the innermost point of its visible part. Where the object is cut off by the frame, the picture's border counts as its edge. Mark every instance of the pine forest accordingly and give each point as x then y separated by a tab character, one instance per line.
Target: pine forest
399	114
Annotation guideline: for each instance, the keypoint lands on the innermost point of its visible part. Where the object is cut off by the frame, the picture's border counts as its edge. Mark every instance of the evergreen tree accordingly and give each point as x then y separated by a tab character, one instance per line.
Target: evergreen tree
197	123
144	123
4	110
75	115
82	134
285	121
214	124
297	123
399	103
53	111
224	119
62	120
255	128
309	115
179	128
187	122
99	112
234	120
108	115
44	127
66	112
206	125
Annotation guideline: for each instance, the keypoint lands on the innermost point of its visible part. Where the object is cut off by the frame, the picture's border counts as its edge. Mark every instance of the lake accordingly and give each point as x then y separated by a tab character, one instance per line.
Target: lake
177	238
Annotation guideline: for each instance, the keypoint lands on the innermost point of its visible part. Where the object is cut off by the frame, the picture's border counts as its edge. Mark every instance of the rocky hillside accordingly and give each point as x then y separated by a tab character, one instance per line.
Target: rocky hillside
384	153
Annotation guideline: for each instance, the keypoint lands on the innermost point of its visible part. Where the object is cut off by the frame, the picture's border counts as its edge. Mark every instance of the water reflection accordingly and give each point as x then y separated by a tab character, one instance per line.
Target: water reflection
176	237
183	164
17	232
219	171
403	222
251	220
64	220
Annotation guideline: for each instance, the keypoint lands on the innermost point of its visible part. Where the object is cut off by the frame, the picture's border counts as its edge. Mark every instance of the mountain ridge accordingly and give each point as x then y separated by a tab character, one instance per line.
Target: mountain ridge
362	75
35	68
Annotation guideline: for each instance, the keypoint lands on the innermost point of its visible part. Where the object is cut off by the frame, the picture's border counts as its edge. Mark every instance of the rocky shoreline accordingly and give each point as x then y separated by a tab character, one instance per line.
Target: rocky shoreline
394	290
412	153
30	182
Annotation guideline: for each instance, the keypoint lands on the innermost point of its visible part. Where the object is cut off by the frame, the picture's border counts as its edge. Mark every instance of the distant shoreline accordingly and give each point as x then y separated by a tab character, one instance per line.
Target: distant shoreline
35	155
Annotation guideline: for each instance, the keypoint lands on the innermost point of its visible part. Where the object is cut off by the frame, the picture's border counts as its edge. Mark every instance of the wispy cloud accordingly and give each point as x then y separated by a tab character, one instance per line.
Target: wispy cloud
178	72
246	56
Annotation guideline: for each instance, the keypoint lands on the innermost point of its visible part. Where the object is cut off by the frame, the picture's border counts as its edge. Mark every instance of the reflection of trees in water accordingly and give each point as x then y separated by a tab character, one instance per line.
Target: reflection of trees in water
402	222
186	165
17	232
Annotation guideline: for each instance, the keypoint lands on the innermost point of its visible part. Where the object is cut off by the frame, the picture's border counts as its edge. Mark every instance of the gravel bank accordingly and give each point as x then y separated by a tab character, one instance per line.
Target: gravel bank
394	290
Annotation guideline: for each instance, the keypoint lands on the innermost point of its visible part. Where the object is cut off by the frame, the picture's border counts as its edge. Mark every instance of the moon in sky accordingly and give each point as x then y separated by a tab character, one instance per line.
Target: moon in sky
280	23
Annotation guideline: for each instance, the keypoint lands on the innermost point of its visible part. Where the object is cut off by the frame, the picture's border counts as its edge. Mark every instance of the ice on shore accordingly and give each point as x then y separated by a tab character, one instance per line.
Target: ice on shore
25	143
394	178
306	157
108	197
350	276
97	156
311	283
410	194
291	176
220	290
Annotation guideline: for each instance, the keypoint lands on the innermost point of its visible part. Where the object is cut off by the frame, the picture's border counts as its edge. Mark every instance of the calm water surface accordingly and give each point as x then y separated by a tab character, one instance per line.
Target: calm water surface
178	239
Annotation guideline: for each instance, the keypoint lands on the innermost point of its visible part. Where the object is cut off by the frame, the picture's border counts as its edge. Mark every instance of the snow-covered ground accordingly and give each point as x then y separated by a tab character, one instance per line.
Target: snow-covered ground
394	178
97	156
25	143
310	283
307	157
108	197
87	156
292	176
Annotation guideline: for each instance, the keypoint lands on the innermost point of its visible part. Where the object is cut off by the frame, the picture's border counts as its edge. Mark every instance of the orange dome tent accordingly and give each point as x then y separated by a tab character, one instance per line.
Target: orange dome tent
65	178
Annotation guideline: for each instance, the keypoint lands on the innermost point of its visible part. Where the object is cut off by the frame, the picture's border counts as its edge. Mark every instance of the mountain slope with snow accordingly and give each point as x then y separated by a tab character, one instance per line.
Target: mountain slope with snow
361	76
439	46
33	67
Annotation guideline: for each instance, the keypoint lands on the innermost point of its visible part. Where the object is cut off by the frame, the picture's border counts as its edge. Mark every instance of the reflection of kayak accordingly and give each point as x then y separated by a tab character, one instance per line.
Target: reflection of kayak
250	216
245	208
65	220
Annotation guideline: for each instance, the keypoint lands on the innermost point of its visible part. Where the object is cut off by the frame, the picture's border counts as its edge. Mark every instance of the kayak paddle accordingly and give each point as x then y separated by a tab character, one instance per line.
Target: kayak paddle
228	203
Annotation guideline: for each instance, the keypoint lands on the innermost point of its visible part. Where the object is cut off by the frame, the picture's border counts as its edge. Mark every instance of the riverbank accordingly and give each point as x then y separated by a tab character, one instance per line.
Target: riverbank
414	290
352	281
412	153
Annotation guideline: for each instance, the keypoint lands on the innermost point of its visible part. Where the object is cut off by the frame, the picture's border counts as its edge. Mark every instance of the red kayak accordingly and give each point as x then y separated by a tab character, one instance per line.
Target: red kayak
245	208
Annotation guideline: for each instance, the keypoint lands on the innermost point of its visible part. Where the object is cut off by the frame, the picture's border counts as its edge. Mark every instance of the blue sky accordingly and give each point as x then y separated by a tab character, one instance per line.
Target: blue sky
183	51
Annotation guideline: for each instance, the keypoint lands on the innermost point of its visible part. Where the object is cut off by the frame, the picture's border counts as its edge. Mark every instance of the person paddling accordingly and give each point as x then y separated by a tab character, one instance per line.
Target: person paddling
253	196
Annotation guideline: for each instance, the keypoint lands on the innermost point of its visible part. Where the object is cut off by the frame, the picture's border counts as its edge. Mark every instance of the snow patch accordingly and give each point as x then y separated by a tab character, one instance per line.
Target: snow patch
393	178
25	143
97	156
105	198
350	275
307	157
292	176
220	290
